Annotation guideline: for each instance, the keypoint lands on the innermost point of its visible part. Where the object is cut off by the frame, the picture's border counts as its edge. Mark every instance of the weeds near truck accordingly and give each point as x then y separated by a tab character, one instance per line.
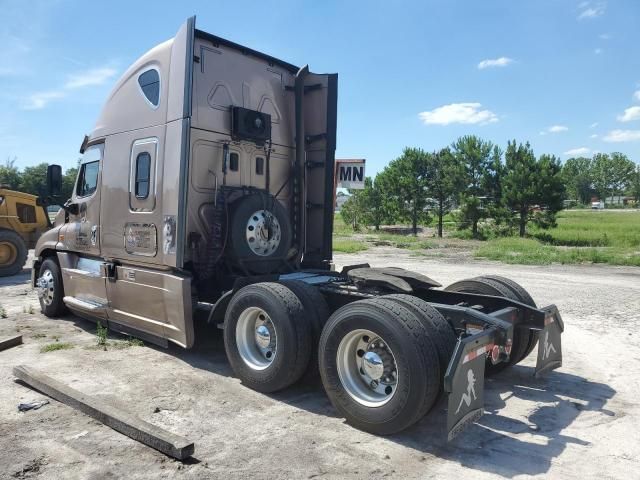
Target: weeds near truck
52	347
134	342
102	333
27	309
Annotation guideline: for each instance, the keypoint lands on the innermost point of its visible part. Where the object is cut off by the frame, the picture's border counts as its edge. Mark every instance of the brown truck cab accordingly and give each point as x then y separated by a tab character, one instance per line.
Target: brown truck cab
207	184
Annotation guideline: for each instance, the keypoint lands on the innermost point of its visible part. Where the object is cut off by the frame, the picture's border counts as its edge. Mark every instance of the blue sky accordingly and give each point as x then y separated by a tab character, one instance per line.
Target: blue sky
563	74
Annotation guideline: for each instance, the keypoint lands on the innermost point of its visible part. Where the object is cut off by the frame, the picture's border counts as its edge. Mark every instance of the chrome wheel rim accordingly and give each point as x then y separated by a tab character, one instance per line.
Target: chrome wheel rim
46	287
263	233
256	338
367	368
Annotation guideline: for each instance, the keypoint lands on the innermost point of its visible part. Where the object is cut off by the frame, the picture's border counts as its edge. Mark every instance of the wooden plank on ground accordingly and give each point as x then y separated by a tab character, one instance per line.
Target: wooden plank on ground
10	342
123	422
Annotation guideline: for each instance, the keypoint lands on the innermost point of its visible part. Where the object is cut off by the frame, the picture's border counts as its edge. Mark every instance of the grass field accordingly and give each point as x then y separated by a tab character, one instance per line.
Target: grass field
582	236
611	237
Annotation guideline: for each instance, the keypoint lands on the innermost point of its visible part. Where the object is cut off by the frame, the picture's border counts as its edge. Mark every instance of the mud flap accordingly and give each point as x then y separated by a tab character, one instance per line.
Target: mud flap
550	342
464	381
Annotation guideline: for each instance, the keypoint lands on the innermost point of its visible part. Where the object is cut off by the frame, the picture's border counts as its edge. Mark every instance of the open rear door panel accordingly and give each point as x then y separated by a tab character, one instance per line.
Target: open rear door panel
320	105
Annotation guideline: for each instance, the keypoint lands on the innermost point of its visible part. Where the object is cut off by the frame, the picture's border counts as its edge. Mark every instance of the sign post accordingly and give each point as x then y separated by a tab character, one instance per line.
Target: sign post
349	173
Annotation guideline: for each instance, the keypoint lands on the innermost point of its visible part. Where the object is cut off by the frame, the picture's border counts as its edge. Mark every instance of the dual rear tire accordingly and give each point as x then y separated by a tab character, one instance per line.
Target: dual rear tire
524	340
381	360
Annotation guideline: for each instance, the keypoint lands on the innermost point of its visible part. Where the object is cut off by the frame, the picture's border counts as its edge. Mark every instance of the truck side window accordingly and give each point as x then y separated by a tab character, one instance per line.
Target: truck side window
149	82
143	173
88	179
233	162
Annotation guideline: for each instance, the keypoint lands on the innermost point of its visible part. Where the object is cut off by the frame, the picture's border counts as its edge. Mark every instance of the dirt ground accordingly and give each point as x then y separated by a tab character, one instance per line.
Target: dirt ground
581	421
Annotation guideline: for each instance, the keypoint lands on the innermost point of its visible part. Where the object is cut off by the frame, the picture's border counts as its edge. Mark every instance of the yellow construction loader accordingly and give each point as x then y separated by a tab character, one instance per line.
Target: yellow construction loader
23	218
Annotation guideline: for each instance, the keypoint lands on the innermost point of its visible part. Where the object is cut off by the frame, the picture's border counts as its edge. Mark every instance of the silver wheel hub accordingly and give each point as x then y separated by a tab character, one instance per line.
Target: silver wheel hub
256	338
367	368
372	365
263	233
45	287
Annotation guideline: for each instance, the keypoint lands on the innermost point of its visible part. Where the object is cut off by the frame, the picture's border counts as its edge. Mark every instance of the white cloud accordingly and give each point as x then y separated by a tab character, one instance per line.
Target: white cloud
595	135
93	77
598	51
465	113
554	129
616	136
40	100
577	151
89	78
591	9
594	125
636	95
604	36
630	114
495	62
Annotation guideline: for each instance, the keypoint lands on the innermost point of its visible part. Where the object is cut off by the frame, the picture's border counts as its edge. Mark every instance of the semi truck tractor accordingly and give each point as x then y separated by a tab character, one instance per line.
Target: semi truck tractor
207	185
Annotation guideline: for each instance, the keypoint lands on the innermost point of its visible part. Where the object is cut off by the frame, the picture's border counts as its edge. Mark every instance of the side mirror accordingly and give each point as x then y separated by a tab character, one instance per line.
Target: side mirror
54	180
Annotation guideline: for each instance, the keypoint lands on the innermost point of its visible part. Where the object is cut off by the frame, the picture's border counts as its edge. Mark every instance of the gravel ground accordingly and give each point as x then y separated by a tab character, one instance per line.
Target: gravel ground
580	421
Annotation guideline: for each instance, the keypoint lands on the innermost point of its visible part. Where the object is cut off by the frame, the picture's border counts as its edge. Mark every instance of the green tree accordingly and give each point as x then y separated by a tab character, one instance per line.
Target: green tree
635	185
374	210
612	174
550	190
578	179
445	177
68	182
520	185
474	154
9	174
351	211
34	179
364	207
405	183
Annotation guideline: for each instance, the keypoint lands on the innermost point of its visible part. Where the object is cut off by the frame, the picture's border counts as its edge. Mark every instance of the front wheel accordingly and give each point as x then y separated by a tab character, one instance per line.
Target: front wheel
50	289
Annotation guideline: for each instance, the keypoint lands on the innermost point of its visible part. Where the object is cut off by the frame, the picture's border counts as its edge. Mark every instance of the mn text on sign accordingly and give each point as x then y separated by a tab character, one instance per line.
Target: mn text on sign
350	174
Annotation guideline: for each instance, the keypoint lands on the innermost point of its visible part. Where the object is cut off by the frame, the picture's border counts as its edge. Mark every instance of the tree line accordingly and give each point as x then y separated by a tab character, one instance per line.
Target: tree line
506	189
33	179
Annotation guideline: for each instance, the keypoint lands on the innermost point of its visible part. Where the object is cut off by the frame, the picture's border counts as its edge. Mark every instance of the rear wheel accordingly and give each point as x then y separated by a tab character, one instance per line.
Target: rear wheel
439	329
485	286
523	297
267	336
378	365
50	289
13	253
317	310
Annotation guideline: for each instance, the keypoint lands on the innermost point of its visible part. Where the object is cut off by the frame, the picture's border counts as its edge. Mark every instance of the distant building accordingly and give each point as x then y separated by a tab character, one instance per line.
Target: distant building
621	200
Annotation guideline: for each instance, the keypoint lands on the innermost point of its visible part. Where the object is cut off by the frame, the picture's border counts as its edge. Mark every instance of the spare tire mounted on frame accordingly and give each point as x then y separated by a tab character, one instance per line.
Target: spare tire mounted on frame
259	236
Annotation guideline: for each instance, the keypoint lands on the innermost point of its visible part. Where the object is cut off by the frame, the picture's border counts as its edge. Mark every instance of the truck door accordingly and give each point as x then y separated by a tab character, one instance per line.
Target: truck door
85	289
